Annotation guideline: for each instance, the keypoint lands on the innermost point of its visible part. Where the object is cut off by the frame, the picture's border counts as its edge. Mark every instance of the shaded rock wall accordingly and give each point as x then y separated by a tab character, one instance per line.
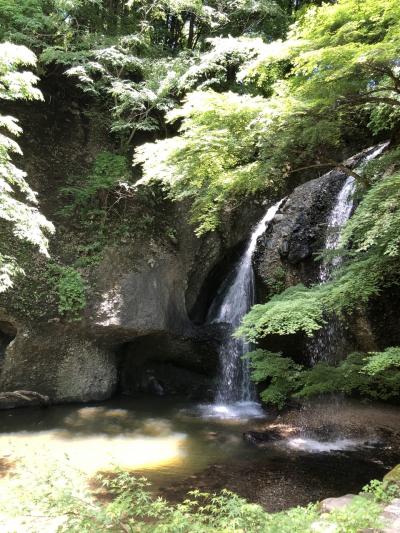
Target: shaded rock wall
142	288
58	361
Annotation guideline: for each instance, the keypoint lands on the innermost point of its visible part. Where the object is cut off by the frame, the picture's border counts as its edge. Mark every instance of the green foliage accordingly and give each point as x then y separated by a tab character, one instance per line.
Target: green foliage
360	514
18	202
70	289
132	56
281	373
335	76
375	228
296	309
9	269
373	375
212	161
92	196
371	245
382	492
24	21
218	67
131	507
381	361
137	90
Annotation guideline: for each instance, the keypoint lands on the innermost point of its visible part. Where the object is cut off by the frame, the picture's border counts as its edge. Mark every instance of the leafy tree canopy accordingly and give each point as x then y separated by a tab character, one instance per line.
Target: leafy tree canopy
18	202
335	76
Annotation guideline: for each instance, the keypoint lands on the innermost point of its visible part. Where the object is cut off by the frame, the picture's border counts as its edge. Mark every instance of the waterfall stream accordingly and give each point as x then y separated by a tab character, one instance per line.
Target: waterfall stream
328	341
236	395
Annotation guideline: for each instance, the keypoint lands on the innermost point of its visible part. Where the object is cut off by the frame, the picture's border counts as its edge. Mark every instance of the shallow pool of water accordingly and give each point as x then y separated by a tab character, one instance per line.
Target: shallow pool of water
180	446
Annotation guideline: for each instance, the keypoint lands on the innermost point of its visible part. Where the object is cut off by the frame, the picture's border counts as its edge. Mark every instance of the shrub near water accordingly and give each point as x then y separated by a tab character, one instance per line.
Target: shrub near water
374	375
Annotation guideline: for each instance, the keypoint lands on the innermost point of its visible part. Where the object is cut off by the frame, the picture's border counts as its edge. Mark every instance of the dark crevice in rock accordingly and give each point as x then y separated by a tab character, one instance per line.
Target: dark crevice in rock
8	333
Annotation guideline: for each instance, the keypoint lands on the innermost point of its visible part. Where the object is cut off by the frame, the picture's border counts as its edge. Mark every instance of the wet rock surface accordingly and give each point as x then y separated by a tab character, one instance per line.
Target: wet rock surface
260	438
288	254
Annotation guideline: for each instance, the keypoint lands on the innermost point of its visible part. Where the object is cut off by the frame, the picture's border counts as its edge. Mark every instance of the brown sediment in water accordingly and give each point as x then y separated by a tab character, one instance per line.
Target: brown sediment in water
279	480
286	481
7	466
347	418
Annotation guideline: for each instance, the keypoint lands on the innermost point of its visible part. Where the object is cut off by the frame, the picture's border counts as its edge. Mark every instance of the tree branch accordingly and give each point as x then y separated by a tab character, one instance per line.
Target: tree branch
354	100
340	166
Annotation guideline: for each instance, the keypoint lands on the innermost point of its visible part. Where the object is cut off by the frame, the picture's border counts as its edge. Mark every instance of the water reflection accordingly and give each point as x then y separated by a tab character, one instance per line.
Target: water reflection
239	411
124	432
89	454
180	447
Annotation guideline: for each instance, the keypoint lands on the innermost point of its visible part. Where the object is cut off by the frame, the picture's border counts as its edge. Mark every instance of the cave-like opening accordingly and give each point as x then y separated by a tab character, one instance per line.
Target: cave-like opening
165	364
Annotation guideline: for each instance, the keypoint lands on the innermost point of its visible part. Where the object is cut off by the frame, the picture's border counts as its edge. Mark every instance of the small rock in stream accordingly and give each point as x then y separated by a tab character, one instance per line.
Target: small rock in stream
259	438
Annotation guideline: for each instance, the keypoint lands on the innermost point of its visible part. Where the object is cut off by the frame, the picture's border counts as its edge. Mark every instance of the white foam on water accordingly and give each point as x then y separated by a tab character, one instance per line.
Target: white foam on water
306	444
242	410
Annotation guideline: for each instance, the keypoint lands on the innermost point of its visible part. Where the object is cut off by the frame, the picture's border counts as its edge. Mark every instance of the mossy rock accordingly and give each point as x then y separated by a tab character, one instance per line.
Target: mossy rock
393	477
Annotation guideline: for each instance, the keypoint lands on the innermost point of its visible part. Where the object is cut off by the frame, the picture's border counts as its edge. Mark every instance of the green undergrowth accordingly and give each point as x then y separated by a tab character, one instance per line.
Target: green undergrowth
130	506
374	375
43	288
70	289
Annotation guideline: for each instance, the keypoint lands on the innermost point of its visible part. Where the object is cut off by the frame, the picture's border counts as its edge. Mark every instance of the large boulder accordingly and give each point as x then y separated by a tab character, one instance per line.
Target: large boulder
393	477
59	362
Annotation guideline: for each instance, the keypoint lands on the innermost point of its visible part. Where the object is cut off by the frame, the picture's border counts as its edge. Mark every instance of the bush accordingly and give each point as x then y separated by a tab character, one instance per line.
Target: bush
70	289
373	375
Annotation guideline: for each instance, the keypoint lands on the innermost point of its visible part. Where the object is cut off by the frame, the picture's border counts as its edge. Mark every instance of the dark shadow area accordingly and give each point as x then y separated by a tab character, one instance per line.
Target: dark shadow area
284	481
213	283
383	314
164	364
8	333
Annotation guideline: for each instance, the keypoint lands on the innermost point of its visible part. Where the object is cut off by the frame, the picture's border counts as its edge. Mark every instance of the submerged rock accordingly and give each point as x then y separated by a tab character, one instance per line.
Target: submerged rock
22	398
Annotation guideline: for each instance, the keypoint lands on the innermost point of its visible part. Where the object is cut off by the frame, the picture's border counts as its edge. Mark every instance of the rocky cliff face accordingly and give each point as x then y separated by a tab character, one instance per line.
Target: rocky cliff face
287	254
136	332
143	325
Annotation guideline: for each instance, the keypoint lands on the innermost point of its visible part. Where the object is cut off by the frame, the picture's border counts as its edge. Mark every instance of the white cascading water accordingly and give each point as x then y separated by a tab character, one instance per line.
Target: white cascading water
326	344
235	393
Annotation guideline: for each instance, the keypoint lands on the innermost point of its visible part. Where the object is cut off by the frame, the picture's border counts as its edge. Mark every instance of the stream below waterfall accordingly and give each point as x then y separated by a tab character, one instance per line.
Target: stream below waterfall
178	449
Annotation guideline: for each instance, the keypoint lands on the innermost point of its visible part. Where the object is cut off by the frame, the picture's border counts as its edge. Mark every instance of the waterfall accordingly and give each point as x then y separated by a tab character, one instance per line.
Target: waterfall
328	341
232	302
338	217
